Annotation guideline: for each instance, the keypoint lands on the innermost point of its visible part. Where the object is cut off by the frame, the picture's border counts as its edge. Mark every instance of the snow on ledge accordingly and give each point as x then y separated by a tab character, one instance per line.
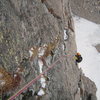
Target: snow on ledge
42	79
41	92
43	82
40	65
65	35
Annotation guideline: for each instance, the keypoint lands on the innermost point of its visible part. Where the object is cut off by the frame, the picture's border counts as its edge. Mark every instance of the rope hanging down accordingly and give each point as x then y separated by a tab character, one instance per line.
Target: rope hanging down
34	80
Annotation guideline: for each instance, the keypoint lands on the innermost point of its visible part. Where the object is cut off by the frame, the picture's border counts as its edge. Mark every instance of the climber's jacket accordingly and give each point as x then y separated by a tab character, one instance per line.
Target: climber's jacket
78	58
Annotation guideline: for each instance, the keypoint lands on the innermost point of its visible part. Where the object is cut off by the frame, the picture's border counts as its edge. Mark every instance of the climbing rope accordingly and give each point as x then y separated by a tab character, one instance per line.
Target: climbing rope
35	79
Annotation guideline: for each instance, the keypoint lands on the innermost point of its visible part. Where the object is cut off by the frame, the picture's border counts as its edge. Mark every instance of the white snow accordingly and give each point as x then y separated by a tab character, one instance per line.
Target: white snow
18	69
40	65
87	36
41	92
15	75
65	35
63	47
41	50
30	52
43	82
42	79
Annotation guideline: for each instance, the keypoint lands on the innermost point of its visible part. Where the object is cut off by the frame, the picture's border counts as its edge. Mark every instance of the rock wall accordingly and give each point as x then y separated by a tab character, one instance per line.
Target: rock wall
32	37
88	9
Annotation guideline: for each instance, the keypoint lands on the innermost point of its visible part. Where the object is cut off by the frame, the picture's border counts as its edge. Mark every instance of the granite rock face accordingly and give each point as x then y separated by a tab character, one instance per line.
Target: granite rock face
88	9
28	24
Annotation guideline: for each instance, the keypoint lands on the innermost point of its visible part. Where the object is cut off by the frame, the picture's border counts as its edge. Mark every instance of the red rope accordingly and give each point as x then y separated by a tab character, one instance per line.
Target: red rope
34	80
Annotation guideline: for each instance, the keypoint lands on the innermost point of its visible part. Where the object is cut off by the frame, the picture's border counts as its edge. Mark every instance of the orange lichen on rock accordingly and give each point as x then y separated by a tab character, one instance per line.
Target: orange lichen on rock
7	81
46	49
51	10
17	80
33	52
51	46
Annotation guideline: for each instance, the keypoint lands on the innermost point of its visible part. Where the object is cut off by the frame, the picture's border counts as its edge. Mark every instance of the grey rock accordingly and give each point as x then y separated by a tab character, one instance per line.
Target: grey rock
88	9
32	23
98	47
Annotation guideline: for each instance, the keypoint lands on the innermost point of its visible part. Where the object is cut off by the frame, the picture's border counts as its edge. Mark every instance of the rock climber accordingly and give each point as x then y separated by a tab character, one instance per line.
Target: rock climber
78	58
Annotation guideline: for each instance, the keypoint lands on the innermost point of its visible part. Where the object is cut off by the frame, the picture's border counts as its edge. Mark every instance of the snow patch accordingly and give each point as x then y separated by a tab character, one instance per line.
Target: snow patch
88	35
65	35
43	85
42	79
43	82
41	50
63	47
41	92
31	52
40	65
18	69
15	75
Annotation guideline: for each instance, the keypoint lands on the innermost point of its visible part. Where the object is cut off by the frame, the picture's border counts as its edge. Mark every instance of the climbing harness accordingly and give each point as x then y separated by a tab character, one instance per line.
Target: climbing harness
78	58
